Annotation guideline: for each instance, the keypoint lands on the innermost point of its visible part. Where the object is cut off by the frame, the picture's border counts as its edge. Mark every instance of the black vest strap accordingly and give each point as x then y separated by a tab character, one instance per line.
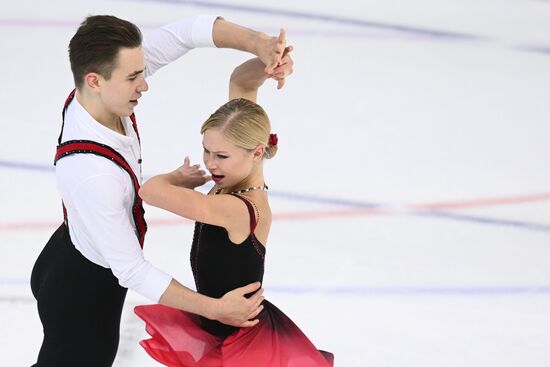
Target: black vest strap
92	147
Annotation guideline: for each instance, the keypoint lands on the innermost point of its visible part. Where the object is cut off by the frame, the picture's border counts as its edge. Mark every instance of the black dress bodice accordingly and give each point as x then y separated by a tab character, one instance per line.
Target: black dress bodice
220	265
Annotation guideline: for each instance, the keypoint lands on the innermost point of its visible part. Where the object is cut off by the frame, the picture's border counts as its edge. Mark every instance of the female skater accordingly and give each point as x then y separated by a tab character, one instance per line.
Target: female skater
231	231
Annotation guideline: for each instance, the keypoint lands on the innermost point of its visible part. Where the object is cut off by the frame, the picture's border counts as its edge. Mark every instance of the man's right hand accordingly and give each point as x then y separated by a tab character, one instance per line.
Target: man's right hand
237	310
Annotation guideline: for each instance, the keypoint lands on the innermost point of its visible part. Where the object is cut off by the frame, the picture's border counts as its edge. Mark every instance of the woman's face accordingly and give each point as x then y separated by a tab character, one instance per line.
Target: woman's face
228	164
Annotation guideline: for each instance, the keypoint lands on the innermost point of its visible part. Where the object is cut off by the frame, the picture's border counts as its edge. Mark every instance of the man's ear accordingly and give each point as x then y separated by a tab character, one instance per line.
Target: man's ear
92	81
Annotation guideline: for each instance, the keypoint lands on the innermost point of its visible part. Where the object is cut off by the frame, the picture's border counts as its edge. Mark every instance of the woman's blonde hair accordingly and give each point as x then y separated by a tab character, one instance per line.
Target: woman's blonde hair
244	123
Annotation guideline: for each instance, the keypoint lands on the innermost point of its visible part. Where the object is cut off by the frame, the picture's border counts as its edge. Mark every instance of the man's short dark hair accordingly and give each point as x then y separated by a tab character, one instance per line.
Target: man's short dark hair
95	45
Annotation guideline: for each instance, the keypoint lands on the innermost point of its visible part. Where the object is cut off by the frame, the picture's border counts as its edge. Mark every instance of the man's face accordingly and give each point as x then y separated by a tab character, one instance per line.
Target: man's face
121	92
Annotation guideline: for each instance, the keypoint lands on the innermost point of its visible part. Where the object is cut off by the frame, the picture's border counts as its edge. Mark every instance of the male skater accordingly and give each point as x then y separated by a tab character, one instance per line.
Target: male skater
81	277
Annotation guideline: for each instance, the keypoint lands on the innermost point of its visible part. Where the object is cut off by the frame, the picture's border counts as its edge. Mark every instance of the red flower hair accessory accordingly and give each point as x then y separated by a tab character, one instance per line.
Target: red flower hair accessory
273	140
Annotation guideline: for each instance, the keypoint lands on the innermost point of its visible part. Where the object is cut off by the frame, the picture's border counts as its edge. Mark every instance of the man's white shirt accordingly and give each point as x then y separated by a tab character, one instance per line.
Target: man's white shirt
98	194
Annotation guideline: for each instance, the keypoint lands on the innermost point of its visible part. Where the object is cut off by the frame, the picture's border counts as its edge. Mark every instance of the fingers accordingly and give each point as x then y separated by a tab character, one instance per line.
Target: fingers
288	50
255	313
282	37
287	59
274	63
278	52
256	300
196	167
256	306
252	287
284	68
280	77
249	323
252	317
269	68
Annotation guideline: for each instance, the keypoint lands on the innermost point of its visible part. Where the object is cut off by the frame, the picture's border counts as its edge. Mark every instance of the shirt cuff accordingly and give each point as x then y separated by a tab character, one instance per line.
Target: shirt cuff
155	284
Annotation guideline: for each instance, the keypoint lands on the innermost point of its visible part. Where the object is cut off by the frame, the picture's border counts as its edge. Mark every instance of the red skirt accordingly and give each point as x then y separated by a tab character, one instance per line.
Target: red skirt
177	340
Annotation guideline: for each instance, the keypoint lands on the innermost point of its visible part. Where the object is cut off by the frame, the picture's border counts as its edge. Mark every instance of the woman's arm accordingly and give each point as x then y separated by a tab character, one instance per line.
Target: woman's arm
248	77
174	192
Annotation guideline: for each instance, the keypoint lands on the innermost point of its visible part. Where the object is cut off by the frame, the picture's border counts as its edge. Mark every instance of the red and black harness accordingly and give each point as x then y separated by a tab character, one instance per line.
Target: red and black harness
91	147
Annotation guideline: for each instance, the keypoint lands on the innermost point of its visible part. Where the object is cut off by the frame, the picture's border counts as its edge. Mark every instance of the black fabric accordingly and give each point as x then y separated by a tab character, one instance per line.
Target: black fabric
220	266
79	304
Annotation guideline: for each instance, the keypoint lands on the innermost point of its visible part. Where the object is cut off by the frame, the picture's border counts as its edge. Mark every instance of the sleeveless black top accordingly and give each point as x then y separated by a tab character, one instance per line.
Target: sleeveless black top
220	265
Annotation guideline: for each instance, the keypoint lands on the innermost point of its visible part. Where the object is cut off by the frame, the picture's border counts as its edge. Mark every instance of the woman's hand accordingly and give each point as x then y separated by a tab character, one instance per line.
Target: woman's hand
189	176
284	69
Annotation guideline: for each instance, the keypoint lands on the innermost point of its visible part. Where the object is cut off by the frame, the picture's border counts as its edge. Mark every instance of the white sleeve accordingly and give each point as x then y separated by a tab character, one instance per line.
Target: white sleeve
168	43
101	205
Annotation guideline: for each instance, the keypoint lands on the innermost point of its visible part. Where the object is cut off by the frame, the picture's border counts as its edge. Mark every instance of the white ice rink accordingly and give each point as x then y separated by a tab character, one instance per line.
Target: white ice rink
411	191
